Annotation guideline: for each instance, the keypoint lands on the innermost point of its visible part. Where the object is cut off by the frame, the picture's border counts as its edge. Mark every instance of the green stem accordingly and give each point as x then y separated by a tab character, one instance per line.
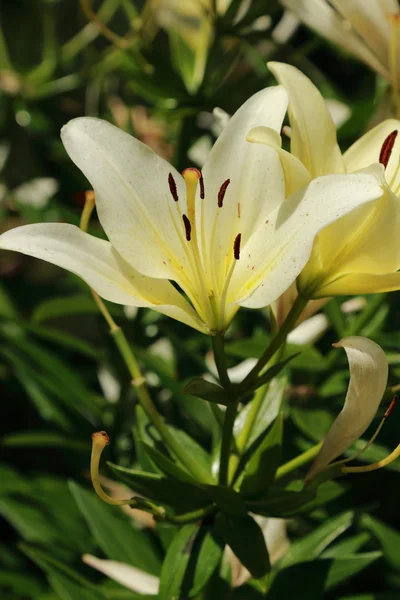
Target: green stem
298	461
190	517
227	435
220	360
139	383
275	343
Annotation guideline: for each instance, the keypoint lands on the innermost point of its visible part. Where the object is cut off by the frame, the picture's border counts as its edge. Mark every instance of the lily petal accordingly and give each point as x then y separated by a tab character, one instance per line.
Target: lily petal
256	178
133	199
361	283
321	17
296	175
368	379
313	138
366	151
363	242
280	248
132	578
100	265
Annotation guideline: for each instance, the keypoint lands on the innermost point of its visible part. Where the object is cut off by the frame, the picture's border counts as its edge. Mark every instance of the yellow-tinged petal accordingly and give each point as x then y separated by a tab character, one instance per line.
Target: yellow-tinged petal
101	267
296	175
363	245
361	283
368	379
313	139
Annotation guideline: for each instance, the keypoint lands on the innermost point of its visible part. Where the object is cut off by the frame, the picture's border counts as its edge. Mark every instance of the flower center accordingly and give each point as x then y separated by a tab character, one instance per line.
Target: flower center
207	292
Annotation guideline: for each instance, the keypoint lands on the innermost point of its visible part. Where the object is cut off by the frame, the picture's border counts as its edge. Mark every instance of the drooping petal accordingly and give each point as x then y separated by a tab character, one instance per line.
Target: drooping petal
278	251
313	139
365	241
133	199
256	179
132	578
100	265
318	15
366	150
296	175
368	378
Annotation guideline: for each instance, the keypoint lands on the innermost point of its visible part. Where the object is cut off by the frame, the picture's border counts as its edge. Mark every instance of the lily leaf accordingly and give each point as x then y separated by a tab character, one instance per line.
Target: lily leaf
246	540
260	470
206	390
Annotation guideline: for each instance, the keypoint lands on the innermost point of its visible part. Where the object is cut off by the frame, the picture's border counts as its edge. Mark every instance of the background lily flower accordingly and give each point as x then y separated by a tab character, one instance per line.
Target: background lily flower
359	253
367	29
237	235
368	379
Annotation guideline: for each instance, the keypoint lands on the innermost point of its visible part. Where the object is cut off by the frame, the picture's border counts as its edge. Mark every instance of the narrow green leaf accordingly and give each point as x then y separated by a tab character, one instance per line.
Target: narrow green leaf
347	566
208	556
43	439
388	538
181	495
176	562
313	544
246	540
65	306
168	466
206	390
115	532
260	469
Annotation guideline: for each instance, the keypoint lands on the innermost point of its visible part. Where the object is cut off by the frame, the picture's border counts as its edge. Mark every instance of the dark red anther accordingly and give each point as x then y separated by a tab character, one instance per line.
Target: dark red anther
172	187
390	407
236	246
201	183
387	147
221	193
188	227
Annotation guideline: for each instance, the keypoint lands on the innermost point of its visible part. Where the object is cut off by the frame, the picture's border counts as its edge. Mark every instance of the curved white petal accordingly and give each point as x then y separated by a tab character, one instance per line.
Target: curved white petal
371	23
296	175
313	138
98	263
132	578
279	250
368	378
133	198
366	150
256	179
318	15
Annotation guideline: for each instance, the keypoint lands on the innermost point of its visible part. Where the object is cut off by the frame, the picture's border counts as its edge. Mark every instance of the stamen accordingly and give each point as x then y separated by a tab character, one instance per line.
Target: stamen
172	187
387	147
188	227
390	407
236	246
202	192
100	440
221	193
382	463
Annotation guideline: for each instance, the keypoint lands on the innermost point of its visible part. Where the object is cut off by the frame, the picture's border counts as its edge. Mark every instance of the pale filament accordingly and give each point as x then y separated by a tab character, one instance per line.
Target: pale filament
207	295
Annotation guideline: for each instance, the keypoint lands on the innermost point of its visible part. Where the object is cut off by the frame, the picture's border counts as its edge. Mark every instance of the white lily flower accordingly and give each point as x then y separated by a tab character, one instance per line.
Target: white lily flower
360	253
236	235
368	379
368	29
131	577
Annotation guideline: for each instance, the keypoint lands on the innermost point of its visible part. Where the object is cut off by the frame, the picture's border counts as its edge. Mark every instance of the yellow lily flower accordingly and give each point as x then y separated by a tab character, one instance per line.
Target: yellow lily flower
359	253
